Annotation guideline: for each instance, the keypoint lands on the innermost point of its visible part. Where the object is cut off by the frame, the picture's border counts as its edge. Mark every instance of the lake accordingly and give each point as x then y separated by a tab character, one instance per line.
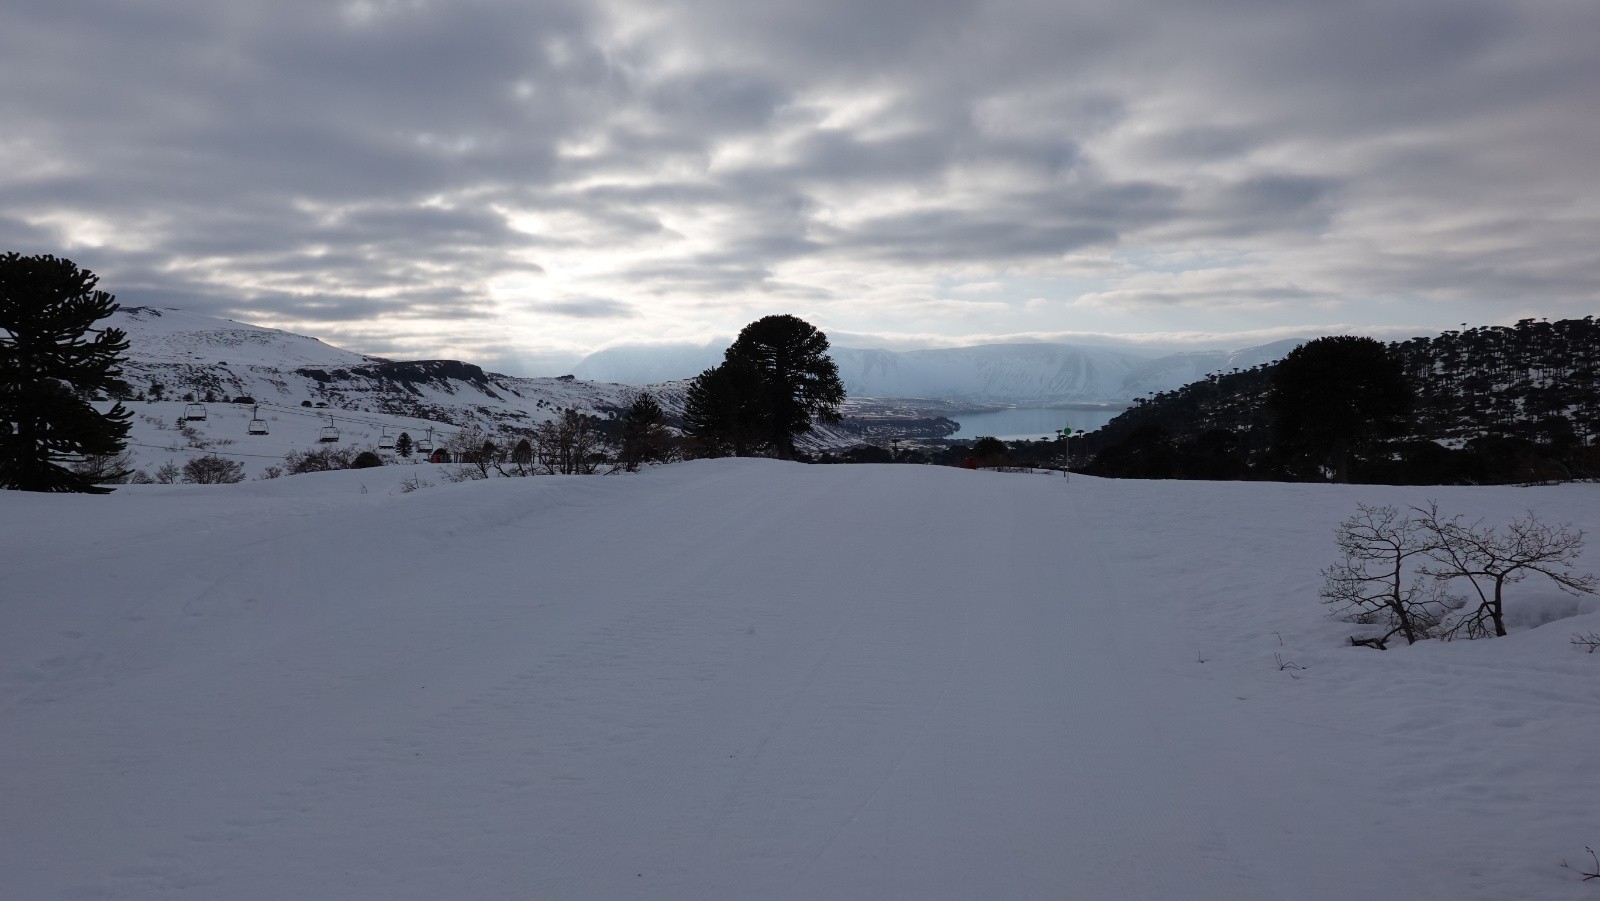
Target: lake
1031	423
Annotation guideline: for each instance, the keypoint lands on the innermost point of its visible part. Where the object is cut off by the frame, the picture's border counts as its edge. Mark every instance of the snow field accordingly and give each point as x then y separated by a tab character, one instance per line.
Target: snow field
748	679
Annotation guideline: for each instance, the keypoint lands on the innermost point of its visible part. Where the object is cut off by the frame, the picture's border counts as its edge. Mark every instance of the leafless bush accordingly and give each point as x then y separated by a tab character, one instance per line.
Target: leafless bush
1372	585
168	473
1594	871
569	445
414	483
1397	569
476	454
212	470
1489	559
322	459
1589	641
105	469
192	436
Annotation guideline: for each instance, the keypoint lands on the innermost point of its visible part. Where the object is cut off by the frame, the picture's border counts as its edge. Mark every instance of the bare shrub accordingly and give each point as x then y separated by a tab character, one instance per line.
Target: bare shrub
1397	568
213	470
192	436
475	452
105	469
414	483
1489	559
569	444
1373	584
322	459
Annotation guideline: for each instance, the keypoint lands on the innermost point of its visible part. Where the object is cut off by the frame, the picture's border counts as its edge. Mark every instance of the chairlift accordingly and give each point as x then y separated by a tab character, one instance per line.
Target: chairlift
425	445
386	441
195	413
329	434
258	426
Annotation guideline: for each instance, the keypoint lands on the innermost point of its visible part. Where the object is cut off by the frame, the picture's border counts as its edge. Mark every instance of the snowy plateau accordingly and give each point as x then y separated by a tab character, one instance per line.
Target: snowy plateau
747	679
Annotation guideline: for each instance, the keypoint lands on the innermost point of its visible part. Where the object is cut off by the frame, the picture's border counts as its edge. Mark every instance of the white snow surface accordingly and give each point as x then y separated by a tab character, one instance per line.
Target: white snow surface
166	335
745	679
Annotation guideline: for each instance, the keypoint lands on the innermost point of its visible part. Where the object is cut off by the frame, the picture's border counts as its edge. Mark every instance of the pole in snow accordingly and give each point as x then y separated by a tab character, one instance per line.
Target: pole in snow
1063	434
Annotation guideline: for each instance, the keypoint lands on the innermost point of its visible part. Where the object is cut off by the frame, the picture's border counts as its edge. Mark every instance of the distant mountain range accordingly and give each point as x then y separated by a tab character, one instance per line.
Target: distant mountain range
299	385
1036	375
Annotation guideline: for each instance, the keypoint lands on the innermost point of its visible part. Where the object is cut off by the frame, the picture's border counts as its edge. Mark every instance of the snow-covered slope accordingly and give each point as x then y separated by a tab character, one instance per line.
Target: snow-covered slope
747	679
202	357
180	338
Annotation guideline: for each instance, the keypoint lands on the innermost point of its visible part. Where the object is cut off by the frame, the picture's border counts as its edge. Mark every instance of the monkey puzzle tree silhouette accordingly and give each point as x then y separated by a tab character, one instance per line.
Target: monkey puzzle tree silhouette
49	370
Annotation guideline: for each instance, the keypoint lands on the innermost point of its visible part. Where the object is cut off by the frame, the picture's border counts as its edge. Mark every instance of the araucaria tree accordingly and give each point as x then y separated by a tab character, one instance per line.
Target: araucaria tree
726	410
800	380
773	382
645	438
52	361
1334	397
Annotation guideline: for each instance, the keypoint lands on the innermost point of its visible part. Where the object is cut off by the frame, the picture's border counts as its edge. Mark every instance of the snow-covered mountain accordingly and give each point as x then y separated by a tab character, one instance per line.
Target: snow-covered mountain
187	353
1036	374
298	386
643	364
1023	374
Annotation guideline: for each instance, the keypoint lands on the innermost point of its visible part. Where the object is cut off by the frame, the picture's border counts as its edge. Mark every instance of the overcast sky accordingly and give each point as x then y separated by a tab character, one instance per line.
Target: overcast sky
518	183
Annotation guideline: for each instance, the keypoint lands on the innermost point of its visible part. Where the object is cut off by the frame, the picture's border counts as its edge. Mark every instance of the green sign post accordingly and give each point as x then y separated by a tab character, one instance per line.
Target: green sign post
1063	434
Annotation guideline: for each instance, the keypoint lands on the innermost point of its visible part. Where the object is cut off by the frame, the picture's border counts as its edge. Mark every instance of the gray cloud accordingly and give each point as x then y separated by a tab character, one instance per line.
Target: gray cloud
586	308
378	162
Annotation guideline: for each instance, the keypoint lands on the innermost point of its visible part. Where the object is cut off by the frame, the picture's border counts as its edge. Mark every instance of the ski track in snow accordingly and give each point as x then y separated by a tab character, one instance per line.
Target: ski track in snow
746	679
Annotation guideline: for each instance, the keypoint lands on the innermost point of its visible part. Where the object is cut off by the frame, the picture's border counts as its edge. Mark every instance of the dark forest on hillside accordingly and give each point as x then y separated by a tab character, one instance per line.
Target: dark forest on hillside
1489	405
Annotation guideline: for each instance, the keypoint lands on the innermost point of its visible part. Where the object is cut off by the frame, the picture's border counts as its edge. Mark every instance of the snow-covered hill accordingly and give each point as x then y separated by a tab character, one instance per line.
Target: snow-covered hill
746	679
302	386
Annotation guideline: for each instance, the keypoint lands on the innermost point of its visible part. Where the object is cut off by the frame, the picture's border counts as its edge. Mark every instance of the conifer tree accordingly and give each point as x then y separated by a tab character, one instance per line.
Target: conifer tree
726	411
798	379
1334	397
52	360
645	438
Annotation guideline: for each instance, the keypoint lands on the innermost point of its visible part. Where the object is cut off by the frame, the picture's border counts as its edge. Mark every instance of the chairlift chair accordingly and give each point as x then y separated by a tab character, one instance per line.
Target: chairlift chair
386	441
425	445
258	426
329	434
195	413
